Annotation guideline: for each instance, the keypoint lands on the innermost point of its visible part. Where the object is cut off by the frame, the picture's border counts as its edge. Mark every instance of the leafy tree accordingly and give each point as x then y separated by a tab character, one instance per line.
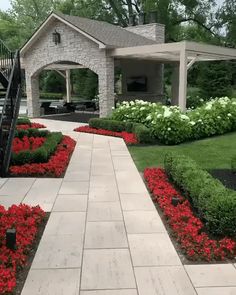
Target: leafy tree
51	81
227	17
215	79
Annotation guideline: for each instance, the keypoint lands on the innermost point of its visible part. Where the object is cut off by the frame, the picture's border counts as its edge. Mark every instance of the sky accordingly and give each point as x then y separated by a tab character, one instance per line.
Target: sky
5	4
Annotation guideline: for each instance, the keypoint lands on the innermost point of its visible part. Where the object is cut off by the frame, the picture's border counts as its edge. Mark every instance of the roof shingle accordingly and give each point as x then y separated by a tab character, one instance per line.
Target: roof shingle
108	34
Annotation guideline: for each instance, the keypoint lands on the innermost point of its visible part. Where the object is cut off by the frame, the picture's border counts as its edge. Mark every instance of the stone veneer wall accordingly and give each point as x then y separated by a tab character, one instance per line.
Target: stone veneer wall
153	31
74	47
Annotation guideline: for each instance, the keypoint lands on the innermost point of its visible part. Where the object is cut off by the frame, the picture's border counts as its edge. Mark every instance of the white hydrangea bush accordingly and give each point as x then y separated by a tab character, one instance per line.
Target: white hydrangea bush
172	126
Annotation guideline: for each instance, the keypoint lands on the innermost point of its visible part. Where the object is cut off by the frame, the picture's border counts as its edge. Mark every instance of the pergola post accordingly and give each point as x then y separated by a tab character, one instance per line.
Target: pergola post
68	86
183	76
175	84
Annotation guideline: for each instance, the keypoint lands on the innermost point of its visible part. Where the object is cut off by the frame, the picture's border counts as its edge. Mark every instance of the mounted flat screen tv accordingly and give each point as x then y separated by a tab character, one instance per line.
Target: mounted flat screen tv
137	84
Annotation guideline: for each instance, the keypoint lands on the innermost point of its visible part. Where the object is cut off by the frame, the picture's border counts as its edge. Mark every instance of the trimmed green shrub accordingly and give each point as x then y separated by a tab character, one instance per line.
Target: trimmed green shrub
106	124
142	133
215	204
40	155
23	121
31	132
233	164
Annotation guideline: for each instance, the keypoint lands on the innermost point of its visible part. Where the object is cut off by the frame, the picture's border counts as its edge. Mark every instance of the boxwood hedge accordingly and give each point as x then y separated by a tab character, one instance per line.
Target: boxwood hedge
40	155
215	204
142	133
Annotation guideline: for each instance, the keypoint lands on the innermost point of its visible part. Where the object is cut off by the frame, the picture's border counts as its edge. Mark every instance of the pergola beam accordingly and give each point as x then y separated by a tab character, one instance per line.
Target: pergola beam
192	62
60	73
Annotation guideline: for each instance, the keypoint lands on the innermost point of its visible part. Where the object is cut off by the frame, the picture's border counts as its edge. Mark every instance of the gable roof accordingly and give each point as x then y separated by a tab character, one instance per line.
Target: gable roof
108	34
104	34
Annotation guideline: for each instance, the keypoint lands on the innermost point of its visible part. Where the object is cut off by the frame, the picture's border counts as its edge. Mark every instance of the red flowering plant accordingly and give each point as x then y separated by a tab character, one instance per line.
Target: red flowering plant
27	143
187	228
129	138
25	220
30	125
56	165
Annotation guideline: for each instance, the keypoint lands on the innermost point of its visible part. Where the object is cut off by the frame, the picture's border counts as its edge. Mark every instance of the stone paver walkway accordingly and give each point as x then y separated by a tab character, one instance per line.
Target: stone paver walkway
104	235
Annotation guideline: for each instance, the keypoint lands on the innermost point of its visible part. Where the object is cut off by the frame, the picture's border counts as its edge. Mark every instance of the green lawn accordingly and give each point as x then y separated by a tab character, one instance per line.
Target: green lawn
210	153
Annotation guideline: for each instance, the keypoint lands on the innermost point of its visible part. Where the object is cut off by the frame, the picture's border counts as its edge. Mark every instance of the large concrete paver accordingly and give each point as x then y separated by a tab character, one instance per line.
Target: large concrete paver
104	211
107	269
140	222
70	203
59	251
2	181
44	192
136	202
108	234
52	282
213	275
65	223
74	187
167	280
16	187
217	291
152	250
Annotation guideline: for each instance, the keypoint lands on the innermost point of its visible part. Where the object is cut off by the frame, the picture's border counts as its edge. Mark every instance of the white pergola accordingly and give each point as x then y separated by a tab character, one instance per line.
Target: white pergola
184	54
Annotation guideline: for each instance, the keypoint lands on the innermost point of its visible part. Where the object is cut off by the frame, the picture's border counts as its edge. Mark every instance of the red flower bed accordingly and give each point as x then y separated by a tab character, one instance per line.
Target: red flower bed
31	125
27	143
187	228
56	165
129	138
25	220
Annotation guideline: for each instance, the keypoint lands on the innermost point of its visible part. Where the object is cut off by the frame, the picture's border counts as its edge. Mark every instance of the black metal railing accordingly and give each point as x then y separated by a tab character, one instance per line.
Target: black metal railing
6	60
10	111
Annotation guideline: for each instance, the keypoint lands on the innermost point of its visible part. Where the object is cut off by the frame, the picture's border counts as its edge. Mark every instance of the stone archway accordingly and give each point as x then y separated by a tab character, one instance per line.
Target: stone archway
74	48
105	82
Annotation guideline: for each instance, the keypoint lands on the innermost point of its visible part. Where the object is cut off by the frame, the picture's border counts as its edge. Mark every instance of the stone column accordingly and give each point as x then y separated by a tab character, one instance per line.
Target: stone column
106	87
32	91
175	84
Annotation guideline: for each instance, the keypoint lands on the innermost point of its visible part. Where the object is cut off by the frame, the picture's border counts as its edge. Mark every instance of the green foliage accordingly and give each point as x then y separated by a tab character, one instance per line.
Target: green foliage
23	121
142	133
215	204
214	118
233	164
215	79
111	125
34	132
171	129
40	155
85	83
51	81
171	126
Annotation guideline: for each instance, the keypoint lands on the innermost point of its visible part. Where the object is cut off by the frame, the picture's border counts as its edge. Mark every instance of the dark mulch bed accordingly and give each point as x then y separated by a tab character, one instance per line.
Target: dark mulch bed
225	176
22	274
72	117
